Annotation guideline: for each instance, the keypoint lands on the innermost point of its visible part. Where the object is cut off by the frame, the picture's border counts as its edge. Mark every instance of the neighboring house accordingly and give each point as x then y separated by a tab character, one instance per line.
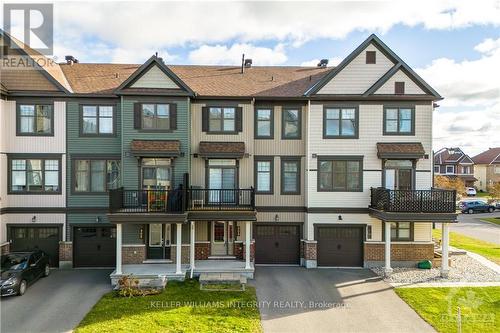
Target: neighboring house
452	163
487	168
161	165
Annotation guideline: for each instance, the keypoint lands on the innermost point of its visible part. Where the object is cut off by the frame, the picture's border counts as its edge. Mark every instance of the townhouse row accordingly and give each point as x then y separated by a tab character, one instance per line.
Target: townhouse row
111	164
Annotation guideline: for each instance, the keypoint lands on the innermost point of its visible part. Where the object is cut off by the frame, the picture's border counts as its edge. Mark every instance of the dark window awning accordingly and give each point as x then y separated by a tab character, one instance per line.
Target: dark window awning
156	148
211	149
410	150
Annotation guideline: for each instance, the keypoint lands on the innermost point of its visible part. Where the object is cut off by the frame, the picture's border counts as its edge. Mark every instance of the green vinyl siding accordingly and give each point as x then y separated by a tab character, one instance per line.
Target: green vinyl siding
130	167
93	146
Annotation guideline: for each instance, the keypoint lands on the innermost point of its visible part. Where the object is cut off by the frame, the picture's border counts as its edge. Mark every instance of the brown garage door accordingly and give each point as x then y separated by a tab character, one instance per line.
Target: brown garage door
45	238
94	246
340	246
276	244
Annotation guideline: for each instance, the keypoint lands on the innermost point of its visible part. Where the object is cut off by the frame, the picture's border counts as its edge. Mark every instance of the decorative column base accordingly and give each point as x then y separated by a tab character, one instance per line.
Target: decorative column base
308	253
388	272
445	273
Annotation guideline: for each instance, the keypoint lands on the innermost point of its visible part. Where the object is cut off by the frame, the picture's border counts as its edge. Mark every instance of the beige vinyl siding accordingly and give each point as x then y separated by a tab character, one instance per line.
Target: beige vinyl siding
332	219
245	164
423	180
480	174
155	78
41	218
411	88
284	217
370	132
358	76
201	231
422	232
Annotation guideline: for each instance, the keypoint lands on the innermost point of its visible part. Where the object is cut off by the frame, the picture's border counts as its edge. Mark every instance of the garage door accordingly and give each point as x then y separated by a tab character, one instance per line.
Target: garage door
94	246
276	244
340	246
45	238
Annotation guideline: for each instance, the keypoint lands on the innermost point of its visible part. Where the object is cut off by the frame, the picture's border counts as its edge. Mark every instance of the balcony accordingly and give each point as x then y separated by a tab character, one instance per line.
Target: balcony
179	201
432	205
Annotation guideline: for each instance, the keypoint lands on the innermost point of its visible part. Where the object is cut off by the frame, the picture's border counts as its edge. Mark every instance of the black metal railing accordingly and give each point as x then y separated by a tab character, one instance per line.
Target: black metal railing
221	199
413	201
180	200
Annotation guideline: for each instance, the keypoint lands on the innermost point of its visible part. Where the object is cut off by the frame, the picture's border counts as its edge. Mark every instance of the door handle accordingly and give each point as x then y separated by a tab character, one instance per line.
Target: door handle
98	247
276	244
338	246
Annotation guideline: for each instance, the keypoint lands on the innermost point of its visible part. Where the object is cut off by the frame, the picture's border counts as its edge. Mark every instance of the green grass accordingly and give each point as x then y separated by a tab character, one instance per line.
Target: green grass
479	307
495	220
181	307
485	195
486	249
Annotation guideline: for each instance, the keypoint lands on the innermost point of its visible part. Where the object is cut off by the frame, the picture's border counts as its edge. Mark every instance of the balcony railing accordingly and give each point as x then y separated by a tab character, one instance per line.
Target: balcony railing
413	201
180	200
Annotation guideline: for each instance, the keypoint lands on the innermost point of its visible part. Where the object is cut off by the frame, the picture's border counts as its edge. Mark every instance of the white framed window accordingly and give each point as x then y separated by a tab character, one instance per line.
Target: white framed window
436	169
450	169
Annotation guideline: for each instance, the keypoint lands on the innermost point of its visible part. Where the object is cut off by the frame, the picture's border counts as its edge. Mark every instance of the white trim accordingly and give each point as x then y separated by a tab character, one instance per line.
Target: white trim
133	245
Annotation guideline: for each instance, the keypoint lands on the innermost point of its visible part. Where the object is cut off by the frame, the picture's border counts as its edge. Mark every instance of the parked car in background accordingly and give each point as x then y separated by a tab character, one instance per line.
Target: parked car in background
21	269
471	191
472	207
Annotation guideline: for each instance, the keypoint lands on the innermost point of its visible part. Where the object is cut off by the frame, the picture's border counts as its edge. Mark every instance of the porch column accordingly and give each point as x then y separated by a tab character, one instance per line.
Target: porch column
444	246
191	248
387	268
247	245
118	248
178	252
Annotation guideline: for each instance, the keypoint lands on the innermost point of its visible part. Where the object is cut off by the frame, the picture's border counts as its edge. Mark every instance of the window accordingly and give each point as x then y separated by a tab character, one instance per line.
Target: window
97	120
96	175
466	170
156	116
436	169
290	176
399	121
343	174
497	169
340	122
264	175
35	175
450	169
399	88
401	231
222	119
291	126
34	119
264	123
371	57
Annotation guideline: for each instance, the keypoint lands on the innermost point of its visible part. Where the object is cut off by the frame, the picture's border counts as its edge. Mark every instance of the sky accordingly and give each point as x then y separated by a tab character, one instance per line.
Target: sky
453	45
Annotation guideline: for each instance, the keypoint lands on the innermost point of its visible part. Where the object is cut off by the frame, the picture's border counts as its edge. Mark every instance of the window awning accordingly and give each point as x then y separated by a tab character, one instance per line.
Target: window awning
156	148
222	149
410	150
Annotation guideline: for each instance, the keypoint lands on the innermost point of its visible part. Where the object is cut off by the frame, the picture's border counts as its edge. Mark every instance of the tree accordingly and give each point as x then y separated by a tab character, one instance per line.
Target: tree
494	191
447	183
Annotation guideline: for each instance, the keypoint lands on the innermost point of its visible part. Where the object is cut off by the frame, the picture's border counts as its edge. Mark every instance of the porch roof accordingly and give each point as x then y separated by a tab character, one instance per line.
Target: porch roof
147	218
222	149
165	148
400	150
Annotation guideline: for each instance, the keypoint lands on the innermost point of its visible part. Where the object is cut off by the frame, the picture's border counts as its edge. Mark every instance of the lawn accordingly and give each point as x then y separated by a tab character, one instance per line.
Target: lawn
479	307
495	220
486	249
181	307
484	195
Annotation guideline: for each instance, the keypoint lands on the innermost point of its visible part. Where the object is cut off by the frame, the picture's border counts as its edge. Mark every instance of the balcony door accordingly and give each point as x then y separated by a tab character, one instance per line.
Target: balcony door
222	181
156	174
399	174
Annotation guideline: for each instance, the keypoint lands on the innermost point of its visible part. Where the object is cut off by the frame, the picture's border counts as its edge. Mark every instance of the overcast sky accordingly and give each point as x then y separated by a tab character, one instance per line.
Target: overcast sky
453	45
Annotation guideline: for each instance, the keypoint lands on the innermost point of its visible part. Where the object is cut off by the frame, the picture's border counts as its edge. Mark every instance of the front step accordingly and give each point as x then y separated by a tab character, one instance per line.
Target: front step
157	261
221	257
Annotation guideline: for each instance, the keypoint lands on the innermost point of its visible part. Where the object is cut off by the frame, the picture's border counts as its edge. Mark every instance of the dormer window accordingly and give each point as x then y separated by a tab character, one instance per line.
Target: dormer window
399	88
371	57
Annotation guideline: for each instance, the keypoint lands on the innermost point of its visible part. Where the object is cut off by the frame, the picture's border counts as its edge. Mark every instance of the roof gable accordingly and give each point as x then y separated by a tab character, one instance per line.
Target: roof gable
489	156
398	75
154	76
398	64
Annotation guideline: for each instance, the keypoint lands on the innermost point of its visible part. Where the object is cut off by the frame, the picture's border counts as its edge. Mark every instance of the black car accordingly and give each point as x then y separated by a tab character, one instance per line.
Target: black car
21	269
472	207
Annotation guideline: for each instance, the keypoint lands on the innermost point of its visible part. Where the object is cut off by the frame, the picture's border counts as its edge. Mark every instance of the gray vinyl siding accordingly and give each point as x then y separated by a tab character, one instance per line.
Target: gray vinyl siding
96	147
130	169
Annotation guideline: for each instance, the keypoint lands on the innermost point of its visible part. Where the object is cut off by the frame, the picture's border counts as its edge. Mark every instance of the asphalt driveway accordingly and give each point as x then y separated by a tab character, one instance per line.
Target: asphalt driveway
293	299
472	226
56	303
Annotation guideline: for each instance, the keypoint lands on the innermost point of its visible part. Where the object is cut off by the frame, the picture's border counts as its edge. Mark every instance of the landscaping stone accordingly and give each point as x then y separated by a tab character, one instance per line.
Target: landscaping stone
463	269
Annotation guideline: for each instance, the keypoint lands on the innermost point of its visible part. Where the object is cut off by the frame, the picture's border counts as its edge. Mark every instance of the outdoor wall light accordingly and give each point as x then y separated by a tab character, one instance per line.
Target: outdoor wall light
33	219
276	218
340	217
97	219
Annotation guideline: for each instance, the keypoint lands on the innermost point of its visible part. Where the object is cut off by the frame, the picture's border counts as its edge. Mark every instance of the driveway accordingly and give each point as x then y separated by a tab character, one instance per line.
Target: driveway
472	226
56	303
328	300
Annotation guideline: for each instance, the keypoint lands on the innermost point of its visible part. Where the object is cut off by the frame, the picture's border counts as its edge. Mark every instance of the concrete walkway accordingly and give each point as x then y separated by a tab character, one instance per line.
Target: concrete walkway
293	299
445	284
54	304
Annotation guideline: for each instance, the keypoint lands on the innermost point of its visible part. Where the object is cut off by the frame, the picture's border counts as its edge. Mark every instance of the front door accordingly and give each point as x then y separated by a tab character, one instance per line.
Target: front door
222	238
159	241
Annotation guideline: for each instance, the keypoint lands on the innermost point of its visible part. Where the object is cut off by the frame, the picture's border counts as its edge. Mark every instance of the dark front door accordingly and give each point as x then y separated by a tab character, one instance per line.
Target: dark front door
94	246
159	241
276	244
340	246
45	238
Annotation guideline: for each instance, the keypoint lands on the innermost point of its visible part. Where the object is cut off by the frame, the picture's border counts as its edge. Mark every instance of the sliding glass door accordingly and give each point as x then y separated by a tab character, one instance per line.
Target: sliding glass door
222	181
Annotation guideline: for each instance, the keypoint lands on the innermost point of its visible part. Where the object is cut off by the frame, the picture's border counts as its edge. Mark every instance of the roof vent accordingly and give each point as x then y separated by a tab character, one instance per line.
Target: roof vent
248	63
70	60
323	63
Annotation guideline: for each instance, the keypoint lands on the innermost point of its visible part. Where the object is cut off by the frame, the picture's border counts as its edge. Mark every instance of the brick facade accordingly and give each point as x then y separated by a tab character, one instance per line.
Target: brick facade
184	254
310	250
133	254
5	248
399	252
239	250
65	254
201	251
